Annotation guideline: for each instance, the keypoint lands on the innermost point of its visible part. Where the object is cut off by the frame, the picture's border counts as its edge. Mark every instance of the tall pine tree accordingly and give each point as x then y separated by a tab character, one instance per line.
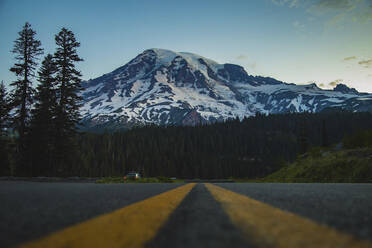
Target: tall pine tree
324	134
4	122
68	86
42	130
303	139
4	108
26	49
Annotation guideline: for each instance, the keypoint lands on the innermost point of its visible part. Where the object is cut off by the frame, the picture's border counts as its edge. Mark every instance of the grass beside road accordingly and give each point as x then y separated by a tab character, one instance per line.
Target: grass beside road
141	180
343	166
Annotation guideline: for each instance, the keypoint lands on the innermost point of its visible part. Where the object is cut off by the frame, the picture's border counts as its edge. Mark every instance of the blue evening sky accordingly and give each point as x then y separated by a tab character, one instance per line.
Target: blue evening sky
296	41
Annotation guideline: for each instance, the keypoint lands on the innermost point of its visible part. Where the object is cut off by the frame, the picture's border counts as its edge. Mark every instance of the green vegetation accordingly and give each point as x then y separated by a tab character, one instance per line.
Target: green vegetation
350	165
141	180
346	166
358	140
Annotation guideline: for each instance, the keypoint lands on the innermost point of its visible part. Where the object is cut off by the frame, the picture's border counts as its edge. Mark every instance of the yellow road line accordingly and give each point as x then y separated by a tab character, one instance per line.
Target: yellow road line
131	226
267	226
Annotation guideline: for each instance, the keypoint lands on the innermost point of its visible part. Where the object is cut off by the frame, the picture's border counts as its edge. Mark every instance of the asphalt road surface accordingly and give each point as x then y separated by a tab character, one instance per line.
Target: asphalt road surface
30	210
185	215
346	207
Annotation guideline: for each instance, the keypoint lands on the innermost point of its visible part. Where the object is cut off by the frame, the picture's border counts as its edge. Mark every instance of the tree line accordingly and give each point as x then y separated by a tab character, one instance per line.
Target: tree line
43	120
252	147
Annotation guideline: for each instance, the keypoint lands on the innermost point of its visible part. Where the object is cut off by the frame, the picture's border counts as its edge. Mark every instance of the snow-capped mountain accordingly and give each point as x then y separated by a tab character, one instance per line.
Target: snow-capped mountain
165	87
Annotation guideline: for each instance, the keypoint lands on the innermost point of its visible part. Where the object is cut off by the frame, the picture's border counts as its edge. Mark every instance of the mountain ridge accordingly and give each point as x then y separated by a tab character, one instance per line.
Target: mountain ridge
178	88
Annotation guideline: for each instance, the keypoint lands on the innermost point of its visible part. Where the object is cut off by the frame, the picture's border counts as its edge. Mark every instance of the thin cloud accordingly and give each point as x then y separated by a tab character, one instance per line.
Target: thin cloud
350	58
322	5
365	17
252	65
365	14
337	19
242	57
290	3
247	63
339	11
335	83
366	63
298	25
344	10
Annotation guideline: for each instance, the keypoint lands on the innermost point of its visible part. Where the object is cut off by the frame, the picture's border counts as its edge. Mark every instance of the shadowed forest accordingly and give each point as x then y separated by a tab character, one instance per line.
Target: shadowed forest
251	148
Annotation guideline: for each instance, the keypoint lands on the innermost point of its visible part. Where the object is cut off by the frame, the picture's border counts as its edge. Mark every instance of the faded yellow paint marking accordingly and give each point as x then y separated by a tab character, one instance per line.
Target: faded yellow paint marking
131	226
267	226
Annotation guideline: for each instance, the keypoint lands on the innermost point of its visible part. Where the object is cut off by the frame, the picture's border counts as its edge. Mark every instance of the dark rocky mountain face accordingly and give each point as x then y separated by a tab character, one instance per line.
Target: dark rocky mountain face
344	89
168	88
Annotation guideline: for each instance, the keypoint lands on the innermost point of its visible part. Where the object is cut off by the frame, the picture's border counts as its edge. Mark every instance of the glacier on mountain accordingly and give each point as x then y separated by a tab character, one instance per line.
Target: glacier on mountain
175	88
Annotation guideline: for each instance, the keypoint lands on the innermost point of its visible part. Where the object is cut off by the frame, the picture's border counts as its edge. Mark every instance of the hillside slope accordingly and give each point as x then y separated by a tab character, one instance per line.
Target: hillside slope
344	166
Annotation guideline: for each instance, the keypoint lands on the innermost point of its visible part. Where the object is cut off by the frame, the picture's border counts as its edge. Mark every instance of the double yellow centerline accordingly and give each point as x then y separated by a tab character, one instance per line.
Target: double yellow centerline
131	226
262	225
266	226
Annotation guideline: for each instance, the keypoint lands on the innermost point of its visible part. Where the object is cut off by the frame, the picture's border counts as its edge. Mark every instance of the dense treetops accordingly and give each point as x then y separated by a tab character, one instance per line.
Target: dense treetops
251	148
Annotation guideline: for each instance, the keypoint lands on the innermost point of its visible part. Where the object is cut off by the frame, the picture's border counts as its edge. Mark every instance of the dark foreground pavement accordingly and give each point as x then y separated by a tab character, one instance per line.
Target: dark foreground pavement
346	207
30	210
199	222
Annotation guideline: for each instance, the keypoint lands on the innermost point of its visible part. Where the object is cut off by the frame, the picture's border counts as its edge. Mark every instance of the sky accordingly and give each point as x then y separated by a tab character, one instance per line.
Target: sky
296	41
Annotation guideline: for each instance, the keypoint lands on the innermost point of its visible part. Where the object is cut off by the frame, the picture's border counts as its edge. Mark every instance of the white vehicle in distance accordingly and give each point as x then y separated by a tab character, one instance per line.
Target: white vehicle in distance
132	175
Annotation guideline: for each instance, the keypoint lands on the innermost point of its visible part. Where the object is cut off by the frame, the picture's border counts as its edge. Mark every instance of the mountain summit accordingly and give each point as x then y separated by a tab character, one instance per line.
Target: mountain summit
165	87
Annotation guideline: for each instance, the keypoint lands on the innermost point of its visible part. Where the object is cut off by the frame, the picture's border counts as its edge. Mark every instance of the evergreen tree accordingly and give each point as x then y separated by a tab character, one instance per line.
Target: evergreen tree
43	119
27	49
4	108
303	138
4	119
68	86
324	134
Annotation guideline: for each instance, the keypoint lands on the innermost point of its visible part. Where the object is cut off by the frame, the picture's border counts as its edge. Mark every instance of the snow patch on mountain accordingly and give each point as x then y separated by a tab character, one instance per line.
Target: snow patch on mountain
165	87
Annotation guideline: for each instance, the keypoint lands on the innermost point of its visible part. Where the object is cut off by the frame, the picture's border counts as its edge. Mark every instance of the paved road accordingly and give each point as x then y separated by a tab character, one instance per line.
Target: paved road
30	210
201	216
346	207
